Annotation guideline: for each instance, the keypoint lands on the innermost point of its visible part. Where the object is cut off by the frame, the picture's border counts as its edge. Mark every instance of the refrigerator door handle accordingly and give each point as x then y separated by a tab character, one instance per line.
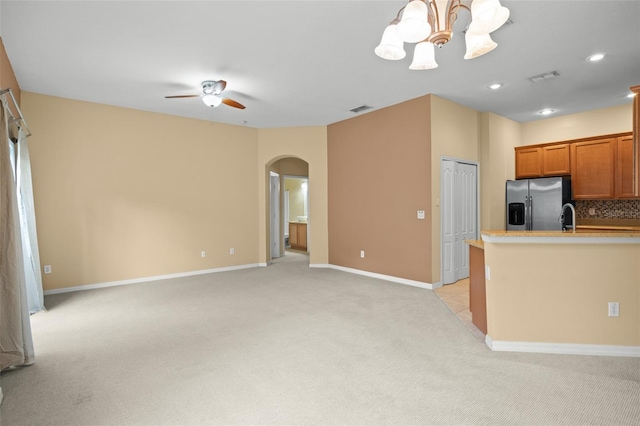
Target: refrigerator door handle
529	226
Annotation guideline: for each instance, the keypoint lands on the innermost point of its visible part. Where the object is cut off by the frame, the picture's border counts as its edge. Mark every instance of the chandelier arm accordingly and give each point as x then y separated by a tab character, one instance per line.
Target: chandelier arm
452	12
397	18
433	17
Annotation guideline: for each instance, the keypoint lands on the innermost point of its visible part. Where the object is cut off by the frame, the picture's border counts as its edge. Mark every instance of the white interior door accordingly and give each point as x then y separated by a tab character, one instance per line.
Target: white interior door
467	196
274	196
459	217
447	221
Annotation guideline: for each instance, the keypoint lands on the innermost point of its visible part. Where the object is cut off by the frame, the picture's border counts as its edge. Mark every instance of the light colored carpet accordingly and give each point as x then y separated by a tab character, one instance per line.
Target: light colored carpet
292	345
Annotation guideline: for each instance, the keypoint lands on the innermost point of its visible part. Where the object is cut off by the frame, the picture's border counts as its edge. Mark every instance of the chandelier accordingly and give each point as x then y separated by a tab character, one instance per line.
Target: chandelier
429	23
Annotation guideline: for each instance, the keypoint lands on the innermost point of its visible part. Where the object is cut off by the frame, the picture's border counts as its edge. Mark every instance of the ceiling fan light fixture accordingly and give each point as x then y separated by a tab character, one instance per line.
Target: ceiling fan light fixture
424	57
391	47
211	100
414	25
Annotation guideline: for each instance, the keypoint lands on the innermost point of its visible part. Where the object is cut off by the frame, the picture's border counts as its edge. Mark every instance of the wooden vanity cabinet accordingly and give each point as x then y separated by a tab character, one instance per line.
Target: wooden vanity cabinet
593	163
543	161
298	235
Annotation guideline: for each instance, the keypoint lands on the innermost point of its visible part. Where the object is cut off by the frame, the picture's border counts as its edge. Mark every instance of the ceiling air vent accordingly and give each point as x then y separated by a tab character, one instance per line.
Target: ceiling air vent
545	76
360	108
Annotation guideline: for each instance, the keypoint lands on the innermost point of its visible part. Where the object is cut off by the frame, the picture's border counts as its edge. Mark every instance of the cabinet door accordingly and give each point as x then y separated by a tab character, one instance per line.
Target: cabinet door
528	162
593	169
302	236
293	234
556	160
625	168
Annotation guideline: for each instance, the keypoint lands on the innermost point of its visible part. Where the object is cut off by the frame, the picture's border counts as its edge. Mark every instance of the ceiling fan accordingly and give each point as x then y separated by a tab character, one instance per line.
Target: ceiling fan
211	95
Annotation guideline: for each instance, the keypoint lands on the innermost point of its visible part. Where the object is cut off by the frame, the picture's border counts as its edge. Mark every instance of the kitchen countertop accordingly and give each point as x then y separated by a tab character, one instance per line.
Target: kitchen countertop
475	243
581	236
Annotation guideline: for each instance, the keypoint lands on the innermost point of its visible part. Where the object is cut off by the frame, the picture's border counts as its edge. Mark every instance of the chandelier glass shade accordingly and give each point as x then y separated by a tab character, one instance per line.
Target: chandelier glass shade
429	23
424	56
391	46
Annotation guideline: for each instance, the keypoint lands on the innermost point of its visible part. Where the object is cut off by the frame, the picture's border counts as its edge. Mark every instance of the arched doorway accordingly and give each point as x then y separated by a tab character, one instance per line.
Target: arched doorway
289	219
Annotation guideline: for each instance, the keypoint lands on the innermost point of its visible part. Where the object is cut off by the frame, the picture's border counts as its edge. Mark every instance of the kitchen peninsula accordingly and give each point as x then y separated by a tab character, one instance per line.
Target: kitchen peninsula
549	291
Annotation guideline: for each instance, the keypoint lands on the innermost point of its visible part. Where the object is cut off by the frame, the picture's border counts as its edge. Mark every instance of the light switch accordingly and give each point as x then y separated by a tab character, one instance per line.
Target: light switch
420	214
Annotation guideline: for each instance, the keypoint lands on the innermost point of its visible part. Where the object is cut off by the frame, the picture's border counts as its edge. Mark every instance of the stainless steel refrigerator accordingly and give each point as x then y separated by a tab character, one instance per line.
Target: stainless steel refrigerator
536	204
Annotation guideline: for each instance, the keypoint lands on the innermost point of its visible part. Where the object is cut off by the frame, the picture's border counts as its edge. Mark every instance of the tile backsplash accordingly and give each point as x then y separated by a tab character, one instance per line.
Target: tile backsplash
608	209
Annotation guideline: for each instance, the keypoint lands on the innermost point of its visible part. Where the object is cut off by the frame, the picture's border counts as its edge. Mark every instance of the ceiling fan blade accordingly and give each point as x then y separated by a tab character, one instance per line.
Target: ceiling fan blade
181	96
232	103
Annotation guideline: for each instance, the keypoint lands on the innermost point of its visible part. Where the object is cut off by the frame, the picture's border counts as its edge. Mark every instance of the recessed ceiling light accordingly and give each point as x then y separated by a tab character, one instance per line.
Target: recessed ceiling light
547	111
495	86
595	57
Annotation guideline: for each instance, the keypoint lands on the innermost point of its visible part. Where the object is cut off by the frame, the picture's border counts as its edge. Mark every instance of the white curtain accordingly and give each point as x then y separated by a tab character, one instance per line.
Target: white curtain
31	256
16	343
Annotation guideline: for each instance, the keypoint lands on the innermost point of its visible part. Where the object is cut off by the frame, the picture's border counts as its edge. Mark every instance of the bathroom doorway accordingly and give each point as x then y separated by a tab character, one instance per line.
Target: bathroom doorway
296	213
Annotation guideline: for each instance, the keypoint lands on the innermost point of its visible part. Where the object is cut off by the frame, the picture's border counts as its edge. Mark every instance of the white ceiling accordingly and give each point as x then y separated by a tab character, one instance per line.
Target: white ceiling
303	63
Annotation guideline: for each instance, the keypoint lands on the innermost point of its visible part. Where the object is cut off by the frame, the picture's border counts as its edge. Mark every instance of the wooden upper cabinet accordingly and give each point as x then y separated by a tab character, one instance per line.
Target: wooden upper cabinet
543	161
625	168
556	160
636	140
528	162
593	164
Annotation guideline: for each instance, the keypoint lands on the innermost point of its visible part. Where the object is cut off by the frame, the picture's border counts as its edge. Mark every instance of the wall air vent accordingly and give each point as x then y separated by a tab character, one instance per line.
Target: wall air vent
360	108
545	76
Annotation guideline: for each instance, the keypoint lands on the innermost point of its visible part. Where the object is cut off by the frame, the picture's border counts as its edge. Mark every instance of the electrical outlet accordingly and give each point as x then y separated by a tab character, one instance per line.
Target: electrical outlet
362	254
232	251
614	309
592	211
203	253
420	214
47	269
487	272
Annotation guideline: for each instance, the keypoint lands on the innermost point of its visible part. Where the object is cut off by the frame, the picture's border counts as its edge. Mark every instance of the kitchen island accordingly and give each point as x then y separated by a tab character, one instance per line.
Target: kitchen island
549	291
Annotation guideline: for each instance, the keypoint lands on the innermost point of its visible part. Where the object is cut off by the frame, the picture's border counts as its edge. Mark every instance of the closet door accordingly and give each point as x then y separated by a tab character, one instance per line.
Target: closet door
459	217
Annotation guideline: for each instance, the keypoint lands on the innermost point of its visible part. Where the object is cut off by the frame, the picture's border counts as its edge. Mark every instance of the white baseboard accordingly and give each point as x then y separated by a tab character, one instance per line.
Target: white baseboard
562	348
398	280
391	278
154	278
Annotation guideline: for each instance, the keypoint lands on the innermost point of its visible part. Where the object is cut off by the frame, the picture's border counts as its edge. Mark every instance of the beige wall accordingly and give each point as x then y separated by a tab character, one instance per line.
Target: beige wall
8	78
92	163
559	293
308	144
123	194
379	176
454	133
574	126
499	137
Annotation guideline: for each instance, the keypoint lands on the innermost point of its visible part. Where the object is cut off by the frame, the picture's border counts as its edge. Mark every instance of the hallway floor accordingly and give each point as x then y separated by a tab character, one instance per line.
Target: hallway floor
456	297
